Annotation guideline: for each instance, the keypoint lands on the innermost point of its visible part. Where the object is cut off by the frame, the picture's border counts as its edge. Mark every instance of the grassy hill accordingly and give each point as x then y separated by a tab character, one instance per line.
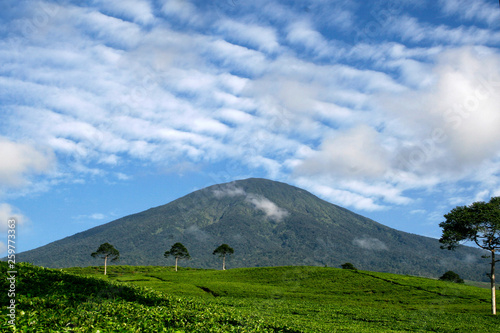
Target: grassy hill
267	223
49	300
270	299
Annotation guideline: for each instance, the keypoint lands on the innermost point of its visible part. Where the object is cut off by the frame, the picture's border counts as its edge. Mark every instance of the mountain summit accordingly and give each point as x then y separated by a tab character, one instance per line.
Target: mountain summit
268	223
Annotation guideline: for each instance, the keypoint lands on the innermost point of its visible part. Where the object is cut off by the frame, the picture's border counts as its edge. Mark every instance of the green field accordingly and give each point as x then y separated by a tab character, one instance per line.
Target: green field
275	299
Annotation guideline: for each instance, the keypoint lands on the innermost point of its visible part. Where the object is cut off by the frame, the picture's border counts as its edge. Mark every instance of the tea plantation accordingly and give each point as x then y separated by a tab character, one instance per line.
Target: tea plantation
274	299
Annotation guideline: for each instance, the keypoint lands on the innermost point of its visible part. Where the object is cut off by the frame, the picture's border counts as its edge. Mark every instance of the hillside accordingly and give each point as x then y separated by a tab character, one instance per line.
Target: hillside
272	299
267	223
323	299
53	301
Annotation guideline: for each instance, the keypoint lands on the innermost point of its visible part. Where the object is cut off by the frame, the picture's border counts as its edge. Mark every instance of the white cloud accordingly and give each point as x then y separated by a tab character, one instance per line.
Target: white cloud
301	33
108	28
104	90
182	9
237	117
331	191
413	73
257	36
468	103
139	11
228	190
356	153
199	234
94	216
122	176
242	58
480	10
411	29
21	160
97	216
370	243
153	121
454	121
259	202
470	259
8	212
271	210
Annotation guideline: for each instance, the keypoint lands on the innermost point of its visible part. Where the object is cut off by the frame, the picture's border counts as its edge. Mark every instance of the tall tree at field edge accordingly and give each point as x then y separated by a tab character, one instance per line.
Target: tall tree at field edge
178	251
479	223
223	250
106	251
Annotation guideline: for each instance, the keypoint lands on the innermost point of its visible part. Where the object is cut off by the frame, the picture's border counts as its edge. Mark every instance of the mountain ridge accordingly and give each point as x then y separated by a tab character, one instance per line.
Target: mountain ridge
268	223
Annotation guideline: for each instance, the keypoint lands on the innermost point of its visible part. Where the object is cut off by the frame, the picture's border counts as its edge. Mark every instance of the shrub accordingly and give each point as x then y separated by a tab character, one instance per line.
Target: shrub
452	277
348	265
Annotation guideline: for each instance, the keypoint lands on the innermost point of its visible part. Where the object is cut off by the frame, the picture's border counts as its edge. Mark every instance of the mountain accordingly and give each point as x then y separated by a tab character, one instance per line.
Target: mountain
268	223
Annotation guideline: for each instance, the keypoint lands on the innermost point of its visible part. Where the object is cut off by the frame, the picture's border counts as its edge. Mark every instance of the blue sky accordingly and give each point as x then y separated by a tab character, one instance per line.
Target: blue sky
107	108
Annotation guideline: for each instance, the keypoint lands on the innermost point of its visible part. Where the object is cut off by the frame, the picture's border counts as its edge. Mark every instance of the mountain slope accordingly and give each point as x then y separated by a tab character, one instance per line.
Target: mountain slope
267	223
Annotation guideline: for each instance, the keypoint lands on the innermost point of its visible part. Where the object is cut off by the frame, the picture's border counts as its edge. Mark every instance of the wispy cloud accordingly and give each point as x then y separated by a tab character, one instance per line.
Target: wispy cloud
428	135
303	34
21	160
411	29
271	210
332	191
8	213
229	190
181	9
280	90
94	216
259	37
451	123
259	202
139	11
370	243
355	153
480	10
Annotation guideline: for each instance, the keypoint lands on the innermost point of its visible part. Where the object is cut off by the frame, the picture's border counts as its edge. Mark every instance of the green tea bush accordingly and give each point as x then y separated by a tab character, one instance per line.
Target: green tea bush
49	300
269	299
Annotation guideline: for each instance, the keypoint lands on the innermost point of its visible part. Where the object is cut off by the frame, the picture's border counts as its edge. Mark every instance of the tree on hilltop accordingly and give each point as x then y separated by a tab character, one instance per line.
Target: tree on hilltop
480	223
178	251
106	251
223	250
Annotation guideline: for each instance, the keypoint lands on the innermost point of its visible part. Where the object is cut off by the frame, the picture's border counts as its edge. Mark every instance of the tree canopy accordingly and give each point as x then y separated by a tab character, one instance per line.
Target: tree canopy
106	251
348	265
223	250
478	223
451	276
178	251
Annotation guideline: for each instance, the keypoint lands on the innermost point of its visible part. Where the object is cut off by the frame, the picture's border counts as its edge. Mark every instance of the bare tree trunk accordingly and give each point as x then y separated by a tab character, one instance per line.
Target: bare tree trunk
105	262
492	277
223	263
176	258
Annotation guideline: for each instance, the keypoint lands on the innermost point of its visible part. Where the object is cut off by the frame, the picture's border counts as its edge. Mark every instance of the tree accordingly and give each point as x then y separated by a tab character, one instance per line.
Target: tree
223	250
106	251
451	276
480	223
348	265
178	251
